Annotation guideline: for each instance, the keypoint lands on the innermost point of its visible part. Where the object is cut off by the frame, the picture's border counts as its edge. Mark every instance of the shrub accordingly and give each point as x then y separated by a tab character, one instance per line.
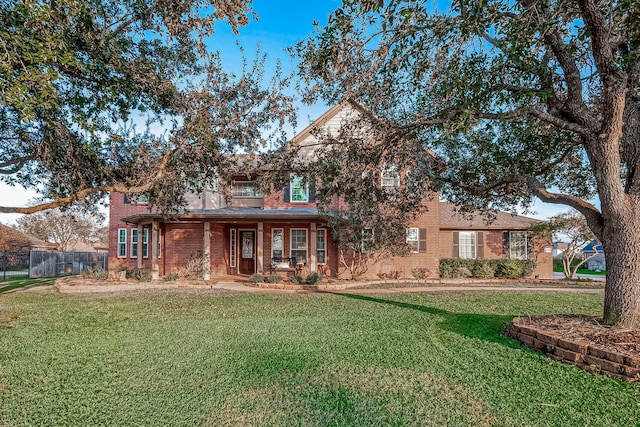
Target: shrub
171	277
313	278
95	273
139	274
482	269
297	279
273	278
456	267
419	273
197	265
486	269
257	278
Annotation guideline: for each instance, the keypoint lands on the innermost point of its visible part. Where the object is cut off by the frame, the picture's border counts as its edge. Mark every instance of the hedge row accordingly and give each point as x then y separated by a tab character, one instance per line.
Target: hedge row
486	268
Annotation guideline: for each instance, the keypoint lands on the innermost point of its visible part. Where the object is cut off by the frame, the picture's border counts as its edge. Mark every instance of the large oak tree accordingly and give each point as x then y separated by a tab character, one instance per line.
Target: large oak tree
522	99
76	77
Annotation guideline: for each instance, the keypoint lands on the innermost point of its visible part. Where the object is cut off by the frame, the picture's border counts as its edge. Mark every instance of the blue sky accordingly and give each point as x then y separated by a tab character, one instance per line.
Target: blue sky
280	24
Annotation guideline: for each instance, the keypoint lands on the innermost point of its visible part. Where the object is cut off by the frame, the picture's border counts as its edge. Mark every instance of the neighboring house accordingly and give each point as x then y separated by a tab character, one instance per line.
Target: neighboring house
15	240
595	253
559	248
254	232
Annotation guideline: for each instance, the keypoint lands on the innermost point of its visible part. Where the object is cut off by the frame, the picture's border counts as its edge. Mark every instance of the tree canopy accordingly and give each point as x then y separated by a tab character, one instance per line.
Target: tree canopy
65	228
76	77
522	99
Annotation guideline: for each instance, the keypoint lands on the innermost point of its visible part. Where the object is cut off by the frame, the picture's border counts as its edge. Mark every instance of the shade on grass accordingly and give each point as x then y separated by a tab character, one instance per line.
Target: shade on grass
317	359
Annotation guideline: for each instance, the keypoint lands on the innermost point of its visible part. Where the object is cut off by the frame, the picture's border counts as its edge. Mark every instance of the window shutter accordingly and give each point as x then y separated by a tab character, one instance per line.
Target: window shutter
480	245
455	252
505	244
312	191
422	243
287	193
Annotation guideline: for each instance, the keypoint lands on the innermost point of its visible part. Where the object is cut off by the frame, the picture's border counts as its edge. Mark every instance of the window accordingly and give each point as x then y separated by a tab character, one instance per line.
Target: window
138	199
467	244
145	242
122	243
232	247
321	246
299	245
367	242
417	240
244	189
277	243
299	191
390	178
412	240
134	243
518	244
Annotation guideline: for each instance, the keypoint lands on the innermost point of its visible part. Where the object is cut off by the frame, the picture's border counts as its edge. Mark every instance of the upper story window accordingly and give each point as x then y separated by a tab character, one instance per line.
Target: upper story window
299	191
245	189
390	177
137	199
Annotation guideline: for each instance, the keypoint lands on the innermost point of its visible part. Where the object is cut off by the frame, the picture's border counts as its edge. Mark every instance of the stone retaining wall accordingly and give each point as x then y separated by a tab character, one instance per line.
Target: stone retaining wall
576	352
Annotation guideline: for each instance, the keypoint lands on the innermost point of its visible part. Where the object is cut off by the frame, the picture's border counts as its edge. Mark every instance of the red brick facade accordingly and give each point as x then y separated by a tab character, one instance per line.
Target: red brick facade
210	225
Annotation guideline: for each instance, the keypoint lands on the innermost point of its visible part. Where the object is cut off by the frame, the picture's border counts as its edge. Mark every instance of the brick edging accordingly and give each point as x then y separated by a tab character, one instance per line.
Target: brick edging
580	353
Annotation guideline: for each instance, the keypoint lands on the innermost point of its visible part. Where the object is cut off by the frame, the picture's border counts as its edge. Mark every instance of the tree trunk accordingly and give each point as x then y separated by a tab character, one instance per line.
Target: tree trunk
622	291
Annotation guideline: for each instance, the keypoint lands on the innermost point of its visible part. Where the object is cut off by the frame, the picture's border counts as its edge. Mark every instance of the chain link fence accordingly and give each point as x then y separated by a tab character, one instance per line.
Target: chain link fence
14	264
50	264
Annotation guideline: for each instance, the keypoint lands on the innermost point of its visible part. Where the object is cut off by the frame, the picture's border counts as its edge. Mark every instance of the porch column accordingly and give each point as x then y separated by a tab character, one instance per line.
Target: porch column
206	249
155	238
259	251
139	250
313	248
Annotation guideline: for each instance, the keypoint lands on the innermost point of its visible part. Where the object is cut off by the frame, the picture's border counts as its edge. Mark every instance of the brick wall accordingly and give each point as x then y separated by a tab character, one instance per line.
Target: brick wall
118	209
581	353
493	249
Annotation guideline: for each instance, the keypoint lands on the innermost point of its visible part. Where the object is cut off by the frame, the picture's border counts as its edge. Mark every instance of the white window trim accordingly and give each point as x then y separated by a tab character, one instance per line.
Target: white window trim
363	247
122	241
306	238
233	244
526	249
134	243
256	194
306	191
474	246
145	243
390	168
273	230
324	233
416	240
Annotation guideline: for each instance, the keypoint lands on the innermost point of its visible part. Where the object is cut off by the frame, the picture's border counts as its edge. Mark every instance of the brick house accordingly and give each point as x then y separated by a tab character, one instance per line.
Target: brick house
254	233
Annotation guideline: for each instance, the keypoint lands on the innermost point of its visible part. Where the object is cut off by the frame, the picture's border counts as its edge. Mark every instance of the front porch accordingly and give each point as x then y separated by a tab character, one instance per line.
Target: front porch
238	242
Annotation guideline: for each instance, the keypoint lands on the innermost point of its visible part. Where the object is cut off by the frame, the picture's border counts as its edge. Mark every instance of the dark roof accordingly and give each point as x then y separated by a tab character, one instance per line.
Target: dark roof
450	219
254	214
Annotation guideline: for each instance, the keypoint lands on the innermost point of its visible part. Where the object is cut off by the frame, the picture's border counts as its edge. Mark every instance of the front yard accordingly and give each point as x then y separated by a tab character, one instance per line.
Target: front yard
212	358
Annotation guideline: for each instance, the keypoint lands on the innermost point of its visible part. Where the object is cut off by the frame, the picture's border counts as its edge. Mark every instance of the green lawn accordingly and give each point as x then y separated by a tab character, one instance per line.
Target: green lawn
22	282
185	359
585	271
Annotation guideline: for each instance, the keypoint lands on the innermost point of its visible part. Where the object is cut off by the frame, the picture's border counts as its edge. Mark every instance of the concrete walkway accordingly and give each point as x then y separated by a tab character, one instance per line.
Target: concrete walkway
467	288
71	286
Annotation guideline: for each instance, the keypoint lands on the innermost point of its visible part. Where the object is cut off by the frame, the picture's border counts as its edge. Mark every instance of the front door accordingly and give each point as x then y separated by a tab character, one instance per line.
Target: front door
247	252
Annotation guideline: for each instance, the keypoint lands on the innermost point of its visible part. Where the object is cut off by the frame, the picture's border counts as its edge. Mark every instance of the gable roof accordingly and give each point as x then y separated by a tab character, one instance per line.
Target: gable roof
12	240
450	219
589	247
